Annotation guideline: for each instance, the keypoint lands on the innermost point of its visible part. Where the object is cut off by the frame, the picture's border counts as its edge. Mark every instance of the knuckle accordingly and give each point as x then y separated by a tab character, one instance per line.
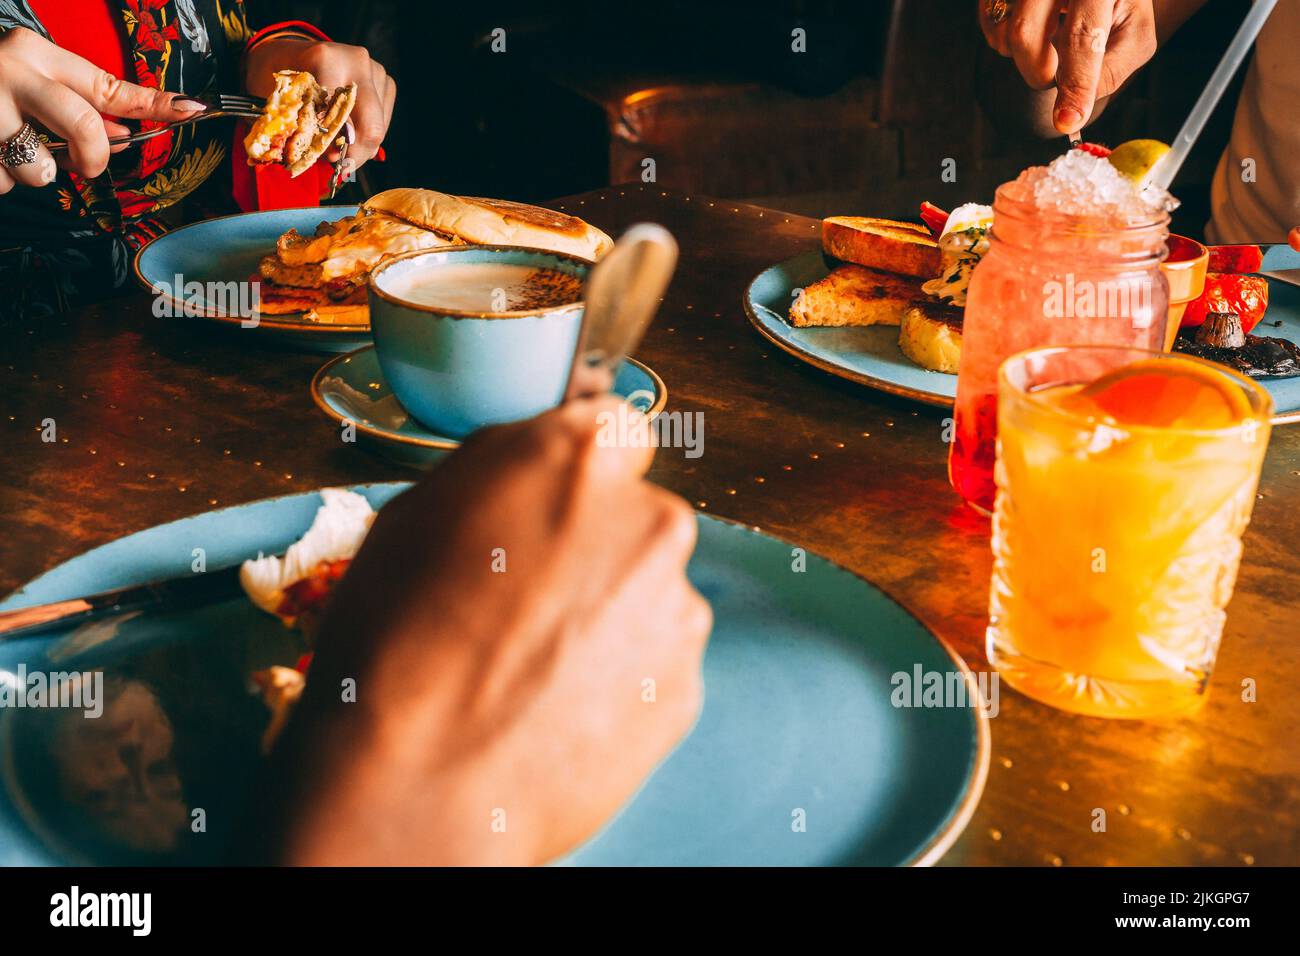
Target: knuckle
19	38
674	523
107	87
580	421
1038	76
316	53
697	619
688	702
371	132
561	439
1108	80
1086	39
88	130
1021	35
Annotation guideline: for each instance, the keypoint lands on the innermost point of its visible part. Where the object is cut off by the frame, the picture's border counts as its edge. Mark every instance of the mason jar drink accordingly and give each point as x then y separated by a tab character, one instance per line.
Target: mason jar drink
1074	258
1125	479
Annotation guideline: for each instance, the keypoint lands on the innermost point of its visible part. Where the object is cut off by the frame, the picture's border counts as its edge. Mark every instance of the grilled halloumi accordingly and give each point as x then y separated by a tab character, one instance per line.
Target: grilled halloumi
930	336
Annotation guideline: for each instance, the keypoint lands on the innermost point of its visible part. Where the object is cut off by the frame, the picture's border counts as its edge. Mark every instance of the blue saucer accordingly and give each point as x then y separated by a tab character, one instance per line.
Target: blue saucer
352	388
799	756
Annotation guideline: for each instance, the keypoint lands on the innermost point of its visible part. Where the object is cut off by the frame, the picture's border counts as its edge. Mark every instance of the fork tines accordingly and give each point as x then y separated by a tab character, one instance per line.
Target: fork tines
238	103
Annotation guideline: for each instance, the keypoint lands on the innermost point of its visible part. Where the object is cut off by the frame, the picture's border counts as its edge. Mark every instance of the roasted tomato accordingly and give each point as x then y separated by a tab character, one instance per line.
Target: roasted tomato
934	217
1236	259
1245	295
1096	149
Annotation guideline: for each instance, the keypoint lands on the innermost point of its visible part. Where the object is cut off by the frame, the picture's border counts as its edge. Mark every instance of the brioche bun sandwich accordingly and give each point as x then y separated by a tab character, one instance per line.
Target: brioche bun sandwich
324	275
493	222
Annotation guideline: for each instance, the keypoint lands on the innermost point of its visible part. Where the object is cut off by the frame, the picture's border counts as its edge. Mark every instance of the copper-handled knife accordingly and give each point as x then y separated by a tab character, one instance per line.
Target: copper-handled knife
191	590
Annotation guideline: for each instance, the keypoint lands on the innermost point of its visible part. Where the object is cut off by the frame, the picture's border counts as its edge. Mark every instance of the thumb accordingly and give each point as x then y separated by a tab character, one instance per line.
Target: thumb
1082	41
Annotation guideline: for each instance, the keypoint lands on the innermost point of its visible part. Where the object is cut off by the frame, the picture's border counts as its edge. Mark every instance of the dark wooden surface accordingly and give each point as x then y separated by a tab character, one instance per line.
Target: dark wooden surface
162	418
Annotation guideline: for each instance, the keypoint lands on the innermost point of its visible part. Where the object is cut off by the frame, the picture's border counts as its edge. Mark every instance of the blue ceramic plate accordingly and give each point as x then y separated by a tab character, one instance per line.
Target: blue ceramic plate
1284	307
798	757
871	356
352	388
228	250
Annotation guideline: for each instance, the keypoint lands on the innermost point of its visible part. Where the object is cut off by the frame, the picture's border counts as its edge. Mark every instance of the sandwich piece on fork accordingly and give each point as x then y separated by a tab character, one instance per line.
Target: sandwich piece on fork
301	121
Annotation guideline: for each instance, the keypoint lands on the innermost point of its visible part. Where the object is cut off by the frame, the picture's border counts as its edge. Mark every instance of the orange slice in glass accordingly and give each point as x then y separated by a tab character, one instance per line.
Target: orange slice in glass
1167	393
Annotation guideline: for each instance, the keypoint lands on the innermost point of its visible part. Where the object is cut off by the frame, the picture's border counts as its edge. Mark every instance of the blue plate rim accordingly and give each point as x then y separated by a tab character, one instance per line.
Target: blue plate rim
884	385
445	444
940	842
277	323
752	307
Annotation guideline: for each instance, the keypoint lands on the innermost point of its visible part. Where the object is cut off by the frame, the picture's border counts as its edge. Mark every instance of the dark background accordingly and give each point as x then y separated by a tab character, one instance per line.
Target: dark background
712	92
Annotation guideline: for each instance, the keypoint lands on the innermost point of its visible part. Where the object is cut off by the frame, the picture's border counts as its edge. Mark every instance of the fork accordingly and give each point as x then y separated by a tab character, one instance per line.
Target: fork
216	105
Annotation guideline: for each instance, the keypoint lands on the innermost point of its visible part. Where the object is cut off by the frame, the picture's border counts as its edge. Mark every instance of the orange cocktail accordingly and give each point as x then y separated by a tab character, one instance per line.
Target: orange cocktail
1125	478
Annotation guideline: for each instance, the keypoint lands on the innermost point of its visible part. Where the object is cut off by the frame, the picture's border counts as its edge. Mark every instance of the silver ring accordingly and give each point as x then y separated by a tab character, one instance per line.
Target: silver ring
21	148
998	10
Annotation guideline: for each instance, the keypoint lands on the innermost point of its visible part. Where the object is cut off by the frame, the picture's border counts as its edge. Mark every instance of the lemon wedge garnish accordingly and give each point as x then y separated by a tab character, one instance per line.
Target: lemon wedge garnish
1137	158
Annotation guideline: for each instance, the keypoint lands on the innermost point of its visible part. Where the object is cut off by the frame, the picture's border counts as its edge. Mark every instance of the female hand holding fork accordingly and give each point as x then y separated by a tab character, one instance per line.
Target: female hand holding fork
66	94
43	83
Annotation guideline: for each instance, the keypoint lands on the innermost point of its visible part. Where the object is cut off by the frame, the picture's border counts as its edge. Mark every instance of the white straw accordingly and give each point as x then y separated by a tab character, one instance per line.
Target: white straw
1213	92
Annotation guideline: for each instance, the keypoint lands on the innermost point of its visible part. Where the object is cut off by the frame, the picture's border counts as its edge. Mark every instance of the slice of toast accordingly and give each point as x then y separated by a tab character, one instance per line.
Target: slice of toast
856	296
906	248
930	336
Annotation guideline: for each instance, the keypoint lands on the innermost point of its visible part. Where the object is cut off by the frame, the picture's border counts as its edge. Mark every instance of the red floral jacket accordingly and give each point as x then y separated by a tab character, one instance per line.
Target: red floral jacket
190	46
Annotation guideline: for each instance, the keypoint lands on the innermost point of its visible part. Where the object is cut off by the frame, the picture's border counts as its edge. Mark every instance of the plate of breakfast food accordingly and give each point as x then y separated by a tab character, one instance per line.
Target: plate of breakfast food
882	304
815	745
300	274
1249	321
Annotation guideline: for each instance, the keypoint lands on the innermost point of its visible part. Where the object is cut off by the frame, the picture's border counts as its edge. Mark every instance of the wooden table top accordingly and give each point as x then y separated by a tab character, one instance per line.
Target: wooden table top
162	418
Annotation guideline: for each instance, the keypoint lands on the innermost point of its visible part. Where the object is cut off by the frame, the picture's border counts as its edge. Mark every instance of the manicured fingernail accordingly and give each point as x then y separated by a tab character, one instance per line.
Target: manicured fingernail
188	104
48	171
1068	119
349	133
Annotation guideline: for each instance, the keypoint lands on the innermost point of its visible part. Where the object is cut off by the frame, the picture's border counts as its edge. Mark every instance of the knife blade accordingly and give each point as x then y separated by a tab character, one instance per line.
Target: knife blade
1250	259
191	590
